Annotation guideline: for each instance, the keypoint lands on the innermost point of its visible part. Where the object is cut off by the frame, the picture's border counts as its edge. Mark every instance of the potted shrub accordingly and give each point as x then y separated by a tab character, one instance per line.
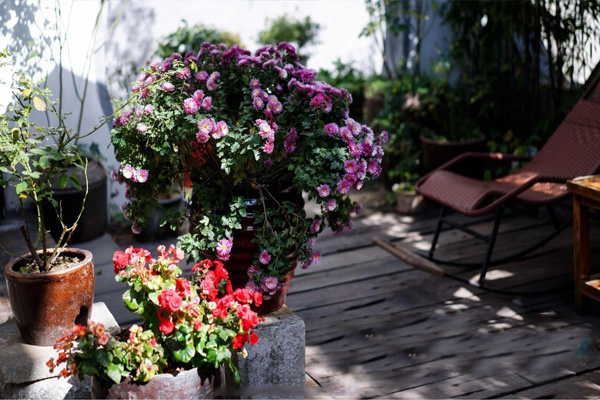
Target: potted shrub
190	328
33	160
243	135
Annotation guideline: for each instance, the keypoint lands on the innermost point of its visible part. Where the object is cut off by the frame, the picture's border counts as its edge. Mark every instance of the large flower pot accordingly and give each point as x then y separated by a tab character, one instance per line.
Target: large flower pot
94	220
182	385
435	153
46	304
153	231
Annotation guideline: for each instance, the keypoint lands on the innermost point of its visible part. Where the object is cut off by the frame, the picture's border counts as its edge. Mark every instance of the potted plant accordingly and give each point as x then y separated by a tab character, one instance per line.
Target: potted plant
33	161
190	328
243	135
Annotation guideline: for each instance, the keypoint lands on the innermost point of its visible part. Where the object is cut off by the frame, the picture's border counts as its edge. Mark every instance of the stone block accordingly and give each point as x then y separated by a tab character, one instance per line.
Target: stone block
23	371
277	361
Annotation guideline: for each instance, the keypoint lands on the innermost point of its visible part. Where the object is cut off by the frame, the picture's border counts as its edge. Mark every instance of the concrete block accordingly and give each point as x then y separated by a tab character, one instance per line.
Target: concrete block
23	371
277	360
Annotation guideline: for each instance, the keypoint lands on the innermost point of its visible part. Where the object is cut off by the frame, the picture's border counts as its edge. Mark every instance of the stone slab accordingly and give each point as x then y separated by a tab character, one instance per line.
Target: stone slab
22	363
277	360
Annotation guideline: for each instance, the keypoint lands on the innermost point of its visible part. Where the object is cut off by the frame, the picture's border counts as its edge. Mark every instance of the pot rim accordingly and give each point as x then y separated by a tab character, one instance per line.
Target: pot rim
478	139
9	271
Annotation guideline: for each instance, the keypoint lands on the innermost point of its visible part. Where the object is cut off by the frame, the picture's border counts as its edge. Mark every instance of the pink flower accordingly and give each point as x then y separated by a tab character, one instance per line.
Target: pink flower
223	249
290	143
264	257
142	128
214	75
324	190
128	172
332	129
207	103
350	166
221	129
141	175
315	226
148	109
198	96
344	186
251	287
316	257
258	103
254	83
185	74
190	106
206	125
167	86
268	147
211	84
331	205
135	228
269	284
202	137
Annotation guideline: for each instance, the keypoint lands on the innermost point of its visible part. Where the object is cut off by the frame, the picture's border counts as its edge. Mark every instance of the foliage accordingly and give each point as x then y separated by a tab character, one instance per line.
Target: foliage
518	62
187	324
291	30
33	159
223	120
188	38
345	76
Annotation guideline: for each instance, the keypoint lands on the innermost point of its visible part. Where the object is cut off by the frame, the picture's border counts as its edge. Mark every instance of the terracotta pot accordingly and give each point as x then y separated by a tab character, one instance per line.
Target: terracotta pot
183	385
46	304
94	220
435	153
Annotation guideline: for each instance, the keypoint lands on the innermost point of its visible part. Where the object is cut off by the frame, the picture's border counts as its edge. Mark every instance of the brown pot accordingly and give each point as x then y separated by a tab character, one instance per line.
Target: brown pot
46	304
435	153
409	202
183	385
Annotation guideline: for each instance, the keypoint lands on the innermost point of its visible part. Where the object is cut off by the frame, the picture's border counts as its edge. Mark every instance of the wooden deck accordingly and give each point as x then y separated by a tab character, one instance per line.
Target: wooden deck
377	328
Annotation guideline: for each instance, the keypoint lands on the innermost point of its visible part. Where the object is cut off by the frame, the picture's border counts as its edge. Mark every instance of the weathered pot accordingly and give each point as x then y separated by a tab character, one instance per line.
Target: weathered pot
46	304
435	153
183	385
153	231
409	202
94	220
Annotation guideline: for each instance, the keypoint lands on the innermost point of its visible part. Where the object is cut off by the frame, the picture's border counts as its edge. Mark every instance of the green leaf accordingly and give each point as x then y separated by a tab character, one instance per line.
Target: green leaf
75	181
63	181
114	372
104	358
184	354
44	161
21	187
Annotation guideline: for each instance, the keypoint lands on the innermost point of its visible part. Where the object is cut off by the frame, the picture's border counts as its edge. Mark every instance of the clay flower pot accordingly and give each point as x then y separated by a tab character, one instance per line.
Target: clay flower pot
46	304
183	385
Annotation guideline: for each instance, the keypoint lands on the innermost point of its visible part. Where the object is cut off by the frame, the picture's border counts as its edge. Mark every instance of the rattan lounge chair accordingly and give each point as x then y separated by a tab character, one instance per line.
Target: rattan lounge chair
572	150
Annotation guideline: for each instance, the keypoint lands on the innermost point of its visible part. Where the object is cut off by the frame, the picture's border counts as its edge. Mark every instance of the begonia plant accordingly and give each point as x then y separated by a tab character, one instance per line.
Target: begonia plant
195	323
222	119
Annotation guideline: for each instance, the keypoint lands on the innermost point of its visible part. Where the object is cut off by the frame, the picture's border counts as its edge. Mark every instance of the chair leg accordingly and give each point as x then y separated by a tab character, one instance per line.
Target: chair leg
438	229
488	254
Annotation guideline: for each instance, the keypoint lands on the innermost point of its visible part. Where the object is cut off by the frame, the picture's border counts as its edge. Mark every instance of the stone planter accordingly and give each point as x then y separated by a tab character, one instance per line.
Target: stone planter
46	304
182	385
408	202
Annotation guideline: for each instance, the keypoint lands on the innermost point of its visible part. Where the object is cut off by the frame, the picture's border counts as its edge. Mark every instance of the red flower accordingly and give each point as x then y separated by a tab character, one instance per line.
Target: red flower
220	271
239	341
197	324
249	317
242	295
208	287
103	339
257	298
170	300
183	287
121	260
166	325
253	338
204	264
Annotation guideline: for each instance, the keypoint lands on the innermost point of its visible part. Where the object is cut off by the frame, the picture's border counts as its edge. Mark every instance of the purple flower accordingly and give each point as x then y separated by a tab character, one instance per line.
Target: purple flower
355	149
350	166
324	190
135	228
268	164
142	128
273	99
140	175
148	109
221	129
344	186
372	167
306	264
346	135
269	284
254	83
214	75
331	205
190	106
332	129
266	132
383	138
316	257
290	143
202	76
114	174
315	226
258	103
251	287
198	96
312	242
211	84
207	103
185	74
206	125
253	270
202	137
278	88
264	257
223	249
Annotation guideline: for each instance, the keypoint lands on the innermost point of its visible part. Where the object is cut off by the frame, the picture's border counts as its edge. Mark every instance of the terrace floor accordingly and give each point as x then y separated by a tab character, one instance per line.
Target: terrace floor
376	327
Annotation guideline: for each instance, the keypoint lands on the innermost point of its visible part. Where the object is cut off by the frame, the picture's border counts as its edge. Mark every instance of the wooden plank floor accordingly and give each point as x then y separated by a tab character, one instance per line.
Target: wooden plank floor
377	328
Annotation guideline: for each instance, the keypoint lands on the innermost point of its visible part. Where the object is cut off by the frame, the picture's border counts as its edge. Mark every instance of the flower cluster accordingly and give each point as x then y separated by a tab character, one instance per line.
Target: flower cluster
225	122
191	323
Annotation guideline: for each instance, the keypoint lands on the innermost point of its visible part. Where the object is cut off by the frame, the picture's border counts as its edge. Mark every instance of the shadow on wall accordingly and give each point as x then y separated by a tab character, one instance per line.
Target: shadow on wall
129	47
